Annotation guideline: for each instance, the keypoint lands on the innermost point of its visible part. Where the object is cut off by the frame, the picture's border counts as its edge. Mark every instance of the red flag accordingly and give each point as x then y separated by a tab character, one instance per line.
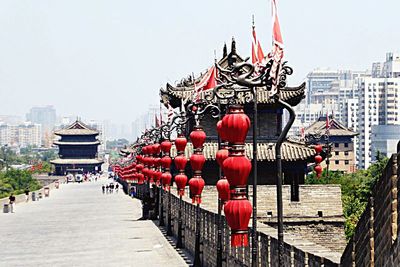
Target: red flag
209	81
257	54
277	49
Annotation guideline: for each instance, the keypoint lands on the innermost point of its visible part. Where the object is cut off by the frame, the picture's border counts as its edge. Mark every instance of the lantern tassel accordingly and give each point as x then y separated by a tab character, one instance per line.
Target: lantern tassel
181	192
239	240
196	200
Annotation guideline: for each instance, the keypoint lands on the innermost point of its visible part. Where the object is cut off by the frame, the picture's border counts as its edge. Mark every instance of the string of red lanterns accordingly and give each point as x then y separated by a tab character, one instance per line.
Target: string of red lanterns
197	160
318	160
180	163
237	167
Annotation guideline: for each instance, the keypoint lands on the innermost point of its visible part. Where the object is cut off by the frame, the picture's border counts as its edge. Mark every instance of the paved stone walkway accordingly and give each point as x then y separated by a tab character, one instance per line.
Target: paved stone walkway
79	226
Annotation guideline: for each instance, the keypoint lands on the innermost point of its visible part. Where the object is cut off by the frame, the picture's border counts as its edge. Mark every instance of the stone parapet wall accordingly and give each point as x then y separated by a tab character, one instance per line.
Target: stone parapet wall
22	198
375	242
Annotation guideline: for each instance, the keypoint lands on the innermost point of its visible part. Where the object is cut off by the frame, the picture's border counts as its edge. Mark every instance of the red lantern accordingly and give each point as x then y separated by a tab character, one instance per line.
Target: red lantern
318	170
223	190
166	162
221	133
180	162
197	161
221	155
237	170
198	137
235	125
156	148
180	143
318	148
318	159
181	180
157	177
166	178
196	185
166	146
238	213
140	178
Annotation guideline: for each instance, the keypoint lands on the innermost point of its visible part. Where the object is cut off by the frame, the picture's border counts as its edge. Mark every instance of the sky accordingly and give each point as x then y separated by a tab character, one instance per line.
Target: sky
107	59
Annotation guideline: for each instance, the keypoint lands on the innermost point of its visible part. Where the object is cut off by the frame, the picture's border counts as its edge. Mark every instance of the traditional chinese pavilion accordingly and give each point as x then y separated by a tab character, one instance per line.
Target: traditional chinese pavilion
296	155
78	146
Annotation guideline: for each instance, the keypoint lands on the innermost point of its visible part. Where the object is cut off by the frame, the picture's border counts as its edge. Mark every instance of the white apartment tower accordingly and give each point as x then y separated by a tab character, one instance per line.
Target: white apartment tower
379	104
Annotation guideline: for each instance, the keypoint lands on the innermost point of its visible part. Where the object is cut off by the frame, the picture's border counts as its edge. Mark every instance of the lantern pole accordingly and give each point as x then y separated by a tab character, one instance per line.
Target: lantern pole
278	158
179	239
254	247
219	225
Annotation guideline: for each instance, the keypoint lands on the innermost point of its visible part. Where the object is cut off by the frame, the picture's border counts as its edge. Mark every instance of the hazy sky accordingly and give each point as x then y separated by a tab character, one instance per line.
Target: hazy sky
107	59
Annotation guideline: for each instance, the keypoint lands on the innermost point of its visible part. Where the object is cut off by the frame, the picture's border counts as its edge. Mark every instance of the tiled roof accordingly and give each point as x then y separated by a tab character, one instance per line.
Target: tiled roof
76	161
77	143
77	128
336	128
291	151
292	95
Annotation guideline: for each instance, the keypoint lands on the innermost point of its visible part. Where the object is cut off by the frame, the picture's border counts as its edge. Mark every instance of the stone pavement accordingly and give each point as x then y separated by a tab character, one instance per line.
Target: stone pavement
79	226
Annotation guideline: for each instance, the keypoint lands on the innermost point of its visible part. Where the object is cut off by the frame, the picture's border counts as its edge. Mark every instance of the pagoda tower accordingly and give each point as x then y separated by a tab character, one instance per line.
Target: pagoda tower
78	146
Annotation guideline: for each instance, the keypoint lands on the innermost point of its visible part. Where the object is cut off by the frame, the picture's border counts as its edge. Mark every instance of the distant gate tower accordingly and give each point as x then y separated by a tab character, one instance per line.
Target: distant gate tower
78	148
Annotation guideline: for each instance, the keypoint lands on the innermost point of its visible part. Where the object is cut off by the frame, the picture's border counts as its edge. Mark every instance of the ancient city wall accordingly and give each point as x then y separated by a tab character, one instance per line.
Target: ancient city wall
375	242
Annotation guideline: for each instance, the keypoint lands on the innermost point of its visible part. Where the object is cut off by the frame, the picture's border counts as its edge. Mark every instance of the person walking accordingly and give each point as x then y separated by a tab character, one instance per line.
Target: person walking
116	188
27	195
104	188
12	201
107	188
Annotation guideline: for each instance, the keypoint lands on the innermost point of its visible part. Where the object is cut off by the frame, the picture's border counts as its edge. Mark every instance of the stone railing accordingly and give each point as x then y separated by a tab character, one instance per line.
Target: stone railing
375	241
267	245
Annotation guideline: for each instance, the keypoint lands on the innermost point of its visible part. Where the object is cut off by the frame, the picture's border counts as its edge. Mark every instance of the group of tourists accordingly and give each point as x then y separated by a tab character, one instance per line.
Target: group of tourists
109	188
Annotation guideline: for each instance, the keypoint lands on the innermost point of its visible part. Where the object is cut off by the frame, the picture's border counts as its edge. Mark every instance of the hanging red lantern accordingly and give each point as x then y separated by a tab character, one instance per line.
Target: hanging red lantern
235	125
198	137
166	162
156	148
196	185
318	170
166	178
157	177
237	170
166	146
197	161
238	213
318	159
318	148
181	180
221	156
180	143
140	178
180	162
220	131
223	190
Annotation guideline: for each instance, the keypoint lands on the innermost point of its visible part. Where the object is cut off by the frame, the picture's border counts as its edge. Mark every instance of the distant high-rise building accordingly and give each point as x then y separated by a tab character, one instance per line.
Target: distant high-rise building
21	135
45	116
379	104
